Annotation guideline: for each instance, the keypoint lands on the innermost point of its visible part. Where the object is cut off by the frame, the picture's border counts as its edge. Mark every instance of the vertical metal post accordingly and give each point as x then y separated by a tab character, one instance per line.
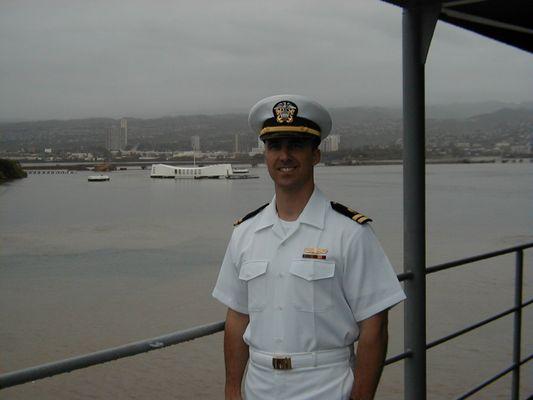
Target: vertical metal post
517	326
418	25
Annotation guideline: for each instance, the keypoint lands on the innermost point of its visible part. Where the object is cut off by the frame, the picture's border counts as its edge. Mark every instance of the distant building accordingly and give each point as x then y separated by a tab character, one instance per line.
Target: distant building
330	144
195	143
502	146
242	143
237	149
117	138
112	141
520	149
259	149
124	132
81	156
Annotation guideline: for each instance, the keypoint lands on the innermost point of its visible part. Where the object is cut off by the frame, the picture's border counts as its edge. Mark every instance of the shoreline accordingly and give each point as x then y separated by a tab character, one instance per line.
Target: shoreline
354	163
87	166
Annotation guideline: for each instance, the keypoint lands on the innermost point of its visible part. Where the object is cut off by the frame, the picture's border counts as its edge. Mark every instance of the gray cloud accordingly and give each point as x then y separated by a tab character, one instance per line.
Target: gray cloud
78	58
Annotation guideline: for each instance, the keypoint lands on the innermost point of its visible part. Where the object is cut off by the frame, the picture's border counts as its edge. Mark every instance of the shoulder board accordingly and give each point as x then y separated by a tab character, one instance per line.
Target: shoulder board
352	214
250	215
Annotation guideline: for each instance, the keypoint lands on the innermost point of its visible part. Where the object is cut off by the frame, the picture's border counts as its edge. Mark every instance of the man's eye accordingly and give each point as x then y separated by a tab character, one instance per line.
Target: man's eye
297	145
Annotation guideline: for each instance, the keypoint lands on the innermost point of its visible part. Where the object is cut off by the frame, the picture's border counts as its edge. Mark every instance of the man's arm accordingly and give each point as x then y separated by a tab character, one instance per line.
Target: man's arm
235	352
371	352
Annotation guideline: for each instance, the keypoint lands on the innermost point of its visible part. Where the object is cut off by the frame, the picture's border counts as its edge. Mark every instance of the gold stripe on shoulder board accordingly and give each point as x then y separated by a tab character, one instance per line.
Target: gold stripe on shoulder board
362	219
350	213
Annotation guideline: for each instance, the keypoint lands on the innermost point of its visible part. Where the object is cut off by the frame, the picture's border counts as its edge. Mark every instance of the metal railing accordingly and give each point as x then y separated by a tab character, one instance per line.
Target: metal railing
47	370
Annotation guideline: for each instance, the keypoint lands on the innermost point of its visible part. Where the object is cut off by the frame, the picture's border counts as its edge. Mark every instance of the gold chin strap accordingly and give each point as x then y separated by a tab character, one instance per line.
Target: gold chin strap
291	129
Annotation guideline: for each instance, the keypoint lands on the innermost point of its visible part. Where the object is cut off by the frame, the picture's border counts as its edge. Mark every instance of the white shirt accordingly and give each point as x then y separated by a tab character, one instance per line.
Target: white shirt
299	304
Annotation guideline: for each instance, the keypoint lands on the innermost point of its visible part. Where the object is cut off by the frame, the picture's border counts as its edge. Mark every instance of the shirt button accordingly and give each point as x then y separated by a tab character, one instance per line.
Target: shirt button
279	307
278	340
280	275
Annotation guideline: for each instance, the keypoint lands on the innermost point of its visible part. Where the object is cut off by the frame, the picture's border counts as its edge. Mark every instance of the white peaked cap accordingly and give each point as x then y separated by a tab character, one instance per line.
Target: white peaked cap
289	115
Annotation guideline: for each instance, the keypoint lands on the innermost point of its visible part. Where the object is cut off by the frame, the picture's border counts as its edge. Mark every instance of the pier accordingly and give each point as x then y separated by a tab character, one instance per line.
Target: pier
117	165
49	171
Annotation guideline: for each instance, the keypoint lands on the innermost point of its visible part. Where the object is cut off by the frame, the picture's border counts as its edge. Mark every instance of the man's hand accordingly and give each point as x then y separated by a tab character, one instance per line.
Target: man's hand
235	353
371	352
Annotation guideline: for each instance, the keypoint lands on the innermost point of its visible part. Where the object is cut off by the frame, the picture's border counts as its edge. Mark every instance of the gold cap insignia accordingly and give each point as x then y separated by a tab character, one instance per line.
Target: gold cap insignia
285	111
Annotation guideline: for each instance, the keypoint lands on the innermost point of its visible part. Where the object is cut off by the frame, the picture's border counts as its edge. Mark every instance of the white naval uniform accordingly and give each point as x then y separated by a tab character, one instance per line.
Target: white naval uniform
303	305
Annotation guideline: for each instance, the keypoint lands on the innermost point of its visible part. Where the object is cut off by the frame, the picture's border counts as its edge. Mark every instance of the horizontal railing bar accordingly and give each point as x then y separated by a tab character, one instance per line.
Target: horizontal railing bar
46	370
477	325
398	357
468	260
404	276
495	378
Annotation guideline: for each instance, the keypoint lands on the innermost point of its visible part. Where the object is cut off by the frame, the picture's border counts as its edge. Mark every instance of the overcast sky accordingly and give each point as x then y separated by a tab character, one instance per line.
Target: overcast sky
95	58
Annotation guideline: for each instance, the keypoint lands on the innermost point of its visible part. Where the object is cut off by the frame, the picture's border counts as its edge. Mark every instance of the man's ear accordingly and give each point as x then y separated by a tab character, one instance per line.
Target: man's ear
316	156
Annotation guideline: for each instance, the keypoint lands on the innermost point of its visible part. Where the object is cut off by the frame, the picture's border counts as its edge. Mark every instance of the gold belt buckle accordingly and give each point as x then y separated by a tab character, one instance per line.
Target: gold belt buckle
282	363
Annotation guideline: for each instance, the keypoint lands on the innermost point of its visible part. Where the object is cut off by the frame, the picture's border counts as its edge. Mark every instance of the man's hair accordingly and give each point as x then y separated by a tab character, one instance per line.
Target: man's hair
315	142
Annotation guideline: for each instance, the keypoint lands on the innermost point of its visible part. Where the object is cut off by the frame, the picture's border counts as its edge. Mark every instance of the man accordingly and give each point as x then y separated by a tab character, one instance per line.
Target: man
303	278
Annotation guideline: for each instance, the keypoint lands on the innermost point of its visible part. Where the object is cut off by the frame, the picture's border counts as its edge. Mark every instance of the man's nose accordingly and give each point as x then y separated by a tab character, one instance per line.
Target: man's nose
285	152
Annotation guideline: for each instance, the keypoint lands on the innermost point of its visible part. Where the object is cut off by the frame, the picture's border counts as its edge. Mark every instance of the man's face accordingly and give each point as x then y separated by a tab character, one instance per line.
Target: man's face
290	162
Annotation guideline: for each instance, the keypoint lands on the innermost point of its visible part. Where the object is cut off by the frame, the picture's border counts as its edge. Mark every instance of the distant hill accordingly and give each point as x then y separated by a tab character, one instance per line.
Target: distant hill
505	115
467	110
358	126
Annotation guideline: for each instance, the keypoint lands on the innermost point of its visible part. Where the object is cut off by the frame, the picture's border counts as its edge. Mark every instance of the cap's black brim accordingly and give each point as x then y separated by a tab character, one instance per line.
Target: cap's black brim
288	135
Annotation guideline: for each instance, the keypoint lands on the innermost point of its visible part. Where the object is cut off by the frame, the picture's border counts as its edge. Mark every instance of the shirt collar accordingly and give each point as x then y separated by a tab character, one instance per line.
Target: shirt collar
269	216
313	214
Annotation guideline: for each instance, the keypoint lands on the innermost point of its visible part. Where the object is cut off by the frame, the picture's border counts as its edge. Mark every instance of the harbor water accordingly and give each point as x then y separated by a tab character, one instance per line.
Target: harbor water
90	265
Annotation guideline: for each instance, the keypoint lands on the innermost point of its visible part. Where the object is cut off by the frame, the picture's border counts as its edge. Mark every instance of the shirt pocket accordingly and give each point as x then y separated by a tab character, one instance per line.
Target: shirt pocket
312	284
253	274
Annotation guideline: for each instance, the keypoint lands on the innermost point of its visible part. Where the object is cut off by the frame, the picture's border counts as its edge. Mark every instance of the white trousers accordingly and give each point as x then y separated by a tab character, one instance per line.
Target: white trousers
324	382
